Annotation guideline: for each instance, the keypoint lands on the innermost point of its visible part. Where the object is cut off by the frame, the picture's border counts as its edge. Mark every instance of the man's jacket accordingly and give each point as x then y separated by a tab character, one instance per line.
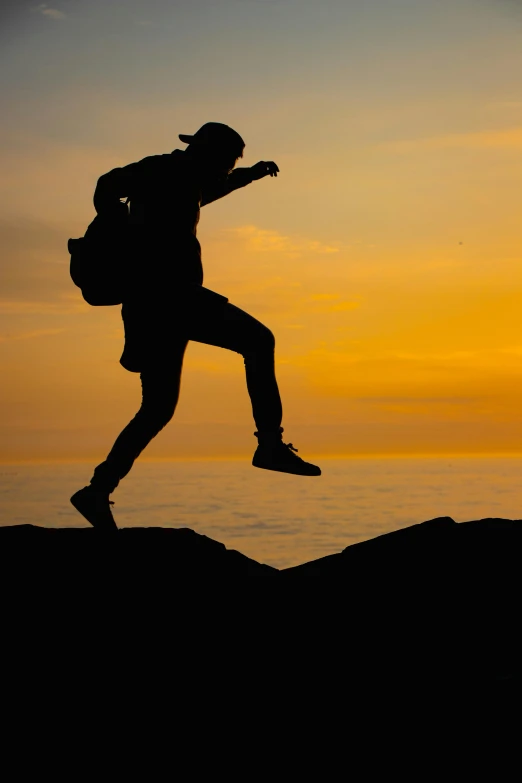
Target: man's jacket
166	193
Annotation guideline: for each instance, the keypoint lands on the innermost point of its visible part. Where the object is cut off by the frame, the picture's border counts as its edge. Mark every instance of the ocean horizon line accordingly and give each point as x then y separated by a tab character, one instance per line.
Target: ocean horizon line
248	457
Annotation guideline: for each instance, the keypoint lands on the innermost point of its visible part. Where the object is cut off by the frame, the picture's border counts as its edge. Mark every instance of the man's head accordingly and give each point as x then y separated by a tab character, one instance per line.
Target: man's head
215	147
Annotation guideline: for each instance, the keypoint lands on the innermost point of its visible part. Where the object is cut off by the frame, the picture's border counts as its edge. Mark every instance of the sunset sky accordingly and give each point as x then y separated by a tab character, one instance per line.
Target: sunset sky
386	257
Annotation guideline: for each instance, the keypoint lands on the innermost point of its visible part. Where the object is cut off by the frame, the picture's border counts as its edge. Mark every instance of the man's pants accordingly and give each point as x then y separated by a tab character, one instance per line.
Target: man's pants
230	328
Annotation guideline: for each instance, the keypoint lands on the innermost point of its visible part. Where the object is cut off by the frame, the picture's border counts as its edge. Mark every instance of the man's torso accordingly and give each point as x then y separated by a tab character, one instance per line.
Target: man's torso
164	215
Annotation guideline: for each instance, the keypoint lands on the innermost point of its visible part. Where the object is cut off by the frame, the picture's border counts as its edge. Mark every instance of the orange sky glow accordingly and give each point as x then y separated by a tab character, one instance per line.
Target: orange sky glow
386	257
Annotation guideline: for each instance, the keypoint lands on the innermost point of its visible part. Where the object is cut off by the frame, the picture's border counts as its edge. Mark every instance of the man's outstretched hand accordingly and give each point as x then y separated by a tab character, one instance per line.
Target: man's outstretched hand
263	168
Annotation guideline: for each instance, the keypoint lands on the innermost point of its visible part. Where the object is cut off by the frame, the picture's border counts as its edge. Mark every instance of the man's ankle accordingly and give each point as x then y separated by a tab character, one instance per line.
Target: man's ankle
269	436
100	489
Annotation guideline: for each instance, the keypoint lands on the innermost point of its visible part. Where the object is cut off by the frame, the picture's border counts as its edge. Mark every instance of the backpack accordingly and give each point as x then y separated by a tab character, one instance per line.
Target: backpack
100	259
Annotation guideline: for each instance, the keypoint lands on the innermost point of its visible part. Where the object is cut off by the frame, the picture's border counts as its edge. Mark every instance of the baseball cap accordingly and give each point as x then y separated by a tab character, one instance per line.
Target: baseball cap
215	133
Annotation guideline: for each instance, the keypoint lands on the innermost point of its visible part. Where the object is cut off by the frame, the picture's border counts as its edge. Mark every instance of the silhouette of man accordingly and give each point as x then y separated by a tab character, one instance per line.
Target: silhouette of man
166	304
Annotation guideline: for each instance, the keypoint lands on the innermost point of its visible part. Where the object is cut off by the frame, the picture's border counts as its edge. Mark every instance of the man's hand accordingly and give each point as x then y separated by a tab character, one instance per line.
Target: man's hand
263	168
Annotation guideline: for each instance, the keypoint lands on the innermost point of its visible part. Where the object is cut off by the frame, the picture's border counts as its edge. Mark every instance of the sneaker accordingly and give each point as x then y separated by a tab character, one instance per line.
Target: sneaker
95	506
281	457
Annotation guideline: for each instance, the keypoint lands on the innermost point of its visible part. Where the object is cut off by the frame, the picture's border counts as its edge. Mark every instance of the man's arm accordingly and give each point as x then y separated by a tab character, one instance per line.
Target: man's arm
238	178
222	187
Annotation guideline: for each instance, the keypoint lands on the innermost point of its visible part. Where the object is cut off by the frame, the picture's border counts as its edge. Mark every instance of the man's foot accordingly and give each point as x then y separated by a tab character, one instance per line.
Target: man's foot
95	506
281	457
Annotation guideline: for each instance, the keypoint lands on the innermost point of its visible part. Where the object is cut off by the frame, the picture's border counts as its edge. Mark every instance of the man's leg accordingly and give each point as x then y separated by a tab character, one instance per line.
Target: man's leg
160	393
229	327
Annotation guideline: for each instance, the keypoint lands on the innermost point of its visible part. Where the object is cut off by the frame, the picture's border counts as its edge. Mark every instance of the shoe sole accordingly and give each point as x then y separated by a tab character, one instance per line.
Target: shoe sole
285	470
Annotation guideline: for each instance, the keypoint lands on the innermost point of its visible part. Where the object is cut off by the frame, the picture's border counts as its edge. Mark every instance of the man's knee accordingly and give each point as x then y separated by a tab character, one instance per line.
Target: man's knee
264	341
260	352
160	393
270	339
156	415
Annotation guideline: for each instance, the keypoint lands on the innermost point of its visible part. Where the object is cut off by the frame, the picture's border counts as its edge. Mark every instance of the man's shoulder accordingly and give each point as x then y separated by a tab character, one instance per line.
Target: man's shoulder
162	160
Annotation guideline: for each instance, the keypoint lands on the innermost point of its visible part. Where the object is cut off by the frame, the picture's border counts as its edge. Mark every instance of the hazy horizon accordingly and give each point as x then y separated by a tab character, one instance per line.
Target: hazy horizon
246	458
275	518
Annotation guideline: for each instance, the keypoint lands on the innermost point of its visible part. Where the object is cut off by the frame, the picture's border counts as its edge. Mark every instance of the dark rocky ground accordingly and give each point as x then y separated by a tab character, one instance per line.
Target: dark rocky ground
431	611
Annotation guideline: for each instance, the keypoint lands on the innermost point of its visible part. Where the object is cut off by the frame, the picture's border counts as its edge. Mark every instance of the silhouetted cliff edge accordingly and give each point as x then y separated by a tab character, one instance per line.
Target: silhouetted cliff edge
430	604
